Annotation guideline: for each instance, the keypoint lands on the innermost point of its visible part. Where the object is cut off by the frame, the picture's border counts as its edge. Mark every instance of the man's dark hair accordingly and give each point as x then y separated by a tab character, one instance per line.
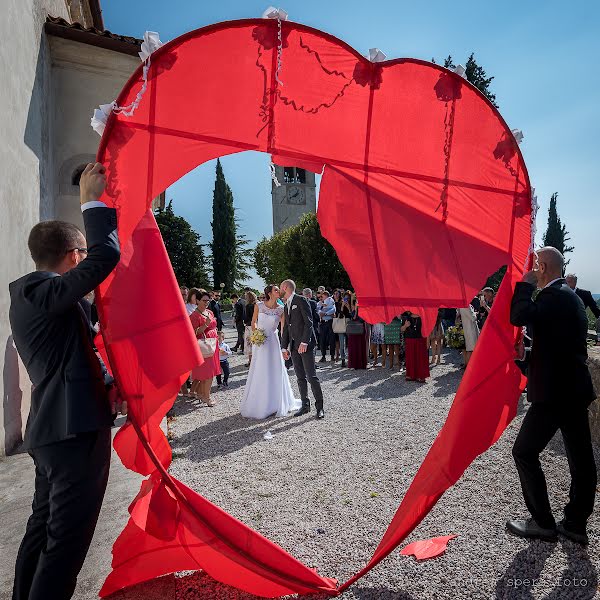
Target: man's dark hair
234	297
49	241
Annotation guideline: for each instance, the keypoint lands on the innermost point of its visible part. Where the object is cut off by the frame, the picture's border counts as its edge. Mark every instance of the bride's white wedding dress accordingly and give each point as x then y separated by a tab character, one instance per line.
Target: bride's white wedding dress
268	390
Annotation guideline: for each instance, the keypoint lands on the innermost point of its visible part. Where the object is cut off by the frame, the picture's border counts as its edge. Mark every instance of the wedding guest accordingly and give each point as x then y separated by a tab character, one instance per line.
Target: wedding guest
224	354
486	299
326	309
417	357
378	340
392	339
559	387
73	404
343	311
468	319
215	308
585	295
448	318
357	339
184	292
308	294
190	301
249	313
204	323
436	338
238	320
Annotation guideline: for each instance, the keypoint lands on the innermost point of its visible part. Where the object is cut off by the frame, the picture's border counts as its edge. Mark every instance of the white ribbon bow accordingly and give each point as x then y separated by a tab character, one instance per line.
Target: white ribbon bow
149	45
518	135
275	13
460	70
376	55
100	117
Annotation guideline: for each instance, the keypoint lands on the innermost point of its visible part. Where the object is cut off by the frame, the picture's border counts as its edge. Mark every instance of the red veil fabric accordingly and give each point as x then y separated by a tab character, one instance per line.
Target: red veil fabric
424	194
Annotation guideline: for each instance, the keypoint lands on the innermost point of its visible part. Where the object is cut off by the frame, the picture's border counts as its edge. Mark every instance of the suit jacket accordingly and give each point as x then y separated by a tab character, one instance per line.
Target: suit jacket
52	335
315	315
588	301
215	307
558	371
298	324
238	312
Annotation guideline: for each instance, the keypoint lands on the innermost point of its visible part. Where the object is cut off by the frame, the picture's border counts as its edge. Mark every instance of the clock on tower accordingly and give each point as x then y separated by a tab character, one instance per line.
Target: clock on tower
295	196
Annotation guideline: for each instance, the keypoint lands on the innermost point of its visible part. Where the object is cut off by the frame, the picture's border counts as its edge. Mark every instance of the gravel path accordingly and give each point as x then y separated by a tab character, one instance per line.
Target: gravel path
327	490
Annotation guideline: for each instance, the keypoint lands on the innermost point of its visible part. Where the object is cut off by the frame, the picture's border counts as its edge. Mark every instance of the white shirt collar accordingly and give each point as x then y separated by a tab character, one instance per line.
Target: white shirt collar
553	281
289	300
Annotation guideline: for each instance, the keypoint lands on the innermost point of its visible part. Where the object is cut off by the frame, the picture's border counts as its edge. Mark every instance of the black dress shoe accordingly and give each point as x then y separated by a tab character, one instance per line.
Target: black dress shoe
343	363
303	411
575	534
530	529
323	359
320	414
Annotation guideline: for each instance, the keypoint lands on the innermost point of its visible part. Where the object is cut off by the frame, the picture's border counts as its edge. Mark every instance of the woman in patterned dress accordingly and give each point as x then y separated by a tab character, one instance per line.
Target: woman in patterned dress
392	339
378	339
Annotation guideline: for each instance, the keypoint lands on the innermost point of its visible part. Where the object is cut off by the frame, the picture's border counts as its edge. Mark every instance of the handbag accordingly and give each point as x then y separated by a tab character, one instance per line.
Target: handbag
339	325
355	328
208	346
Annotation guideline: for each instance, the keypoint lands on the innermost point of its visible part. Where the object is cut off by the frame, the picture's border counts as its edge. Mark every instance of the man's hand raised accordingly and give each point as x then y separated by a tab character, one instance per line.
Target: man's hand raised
92	182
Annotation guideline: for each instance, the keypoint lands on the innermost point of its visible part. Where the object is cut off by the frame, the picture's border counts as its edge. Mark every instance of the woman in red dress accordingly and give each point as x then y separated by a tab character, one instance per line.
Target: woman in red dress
205	326
415	345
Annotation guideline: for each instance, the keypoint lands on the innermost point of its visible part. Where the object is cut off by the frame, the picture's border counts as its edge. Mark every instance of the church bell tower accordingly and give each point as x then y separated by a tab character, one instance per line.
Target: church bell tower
296	196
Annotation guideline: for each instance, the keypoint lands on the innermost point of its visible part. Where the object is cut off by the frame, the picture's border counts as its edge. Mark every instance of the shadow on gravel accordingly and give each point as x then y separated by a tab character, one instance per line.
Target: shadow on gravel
230	434
379	593
579	581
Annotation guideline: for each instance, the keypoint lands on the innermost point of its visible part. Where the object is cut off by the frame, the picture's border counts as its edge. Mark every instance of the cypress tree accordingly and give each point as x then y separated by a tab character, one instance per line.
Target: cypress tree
556	234
223	245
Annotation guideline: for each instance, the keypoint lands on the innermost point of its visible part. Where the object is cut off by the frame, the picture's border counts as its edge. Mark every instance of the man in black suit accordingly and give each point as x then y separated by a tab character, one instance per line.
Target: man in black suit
238	319
586	297
560	390
215	307
298	334
314	311
72	407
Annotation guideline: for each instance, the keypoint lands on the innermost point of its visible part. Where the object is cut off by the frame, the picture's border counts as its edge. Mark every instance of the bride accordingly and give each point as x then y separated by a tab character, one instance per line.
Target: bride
268	390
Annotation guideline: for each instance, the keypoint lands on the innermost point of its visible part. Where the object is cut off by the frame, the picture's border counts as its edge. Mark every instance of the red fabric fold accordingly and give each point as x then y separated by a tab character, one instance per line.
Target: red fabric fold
424	194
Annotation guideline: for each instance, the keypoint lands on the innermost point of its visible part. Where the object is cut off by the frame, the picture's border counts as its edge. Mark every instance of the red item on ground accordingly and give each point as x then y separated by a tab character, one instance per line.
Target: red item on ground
417	165
425	549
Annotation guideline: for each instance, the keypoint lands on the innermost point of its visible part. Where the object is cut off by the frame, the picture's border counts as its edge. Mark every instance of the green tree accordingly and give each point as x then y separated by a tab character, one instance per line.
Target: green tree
556	234
183	247
302	254
223	245
243	258
476	75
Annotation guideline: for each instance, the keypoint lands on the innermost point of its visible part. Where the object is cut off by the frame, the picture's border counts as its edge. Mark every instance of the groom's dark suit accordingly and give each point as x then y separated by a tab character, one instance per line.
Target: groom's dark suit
298	329
68	430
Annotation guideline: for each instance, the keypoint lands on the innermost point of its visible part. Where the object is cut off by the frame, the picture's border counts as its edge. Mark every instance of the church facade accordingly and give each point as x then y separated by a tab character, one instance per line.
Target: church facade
57	64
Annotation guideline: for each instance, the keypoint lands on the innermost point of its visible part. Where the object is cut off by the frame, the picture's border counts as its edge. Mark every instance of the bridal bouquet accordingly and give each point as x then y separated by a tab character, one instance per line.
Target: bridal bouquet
258	337
455	338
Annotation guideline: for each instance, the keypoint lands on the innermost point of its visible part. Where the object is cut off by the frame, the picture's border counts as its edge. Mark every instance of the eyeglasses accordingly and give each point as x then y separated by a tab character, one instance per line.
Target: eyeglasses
82	250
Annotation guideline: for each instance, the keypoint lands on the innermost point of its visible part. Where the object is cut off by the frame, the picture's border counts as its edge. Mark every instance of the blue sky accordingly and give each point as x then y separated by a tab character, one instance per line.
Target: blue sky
544	57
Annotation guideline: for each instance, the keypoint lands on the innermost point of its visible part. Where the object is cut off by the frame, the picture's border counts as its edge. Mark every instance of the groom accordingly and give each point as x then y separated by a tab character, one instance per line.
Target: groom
298	332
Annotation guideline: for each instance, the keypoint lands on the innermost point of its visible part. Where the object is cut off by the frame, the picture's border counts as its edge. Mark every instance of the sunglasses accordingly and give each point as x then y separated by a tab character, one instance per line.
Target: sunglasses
82	250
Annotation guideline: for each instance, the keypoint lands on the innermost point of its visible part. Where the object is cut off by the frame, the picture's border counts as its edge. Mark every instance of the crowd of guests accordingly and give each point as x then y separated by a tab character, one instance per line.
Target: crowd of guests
343	337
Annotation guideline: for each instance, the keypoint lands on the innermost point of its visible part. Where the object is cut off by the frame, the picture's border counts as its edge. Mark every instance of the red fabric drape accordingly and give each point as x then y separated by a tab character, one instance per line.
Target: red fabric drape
424	194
